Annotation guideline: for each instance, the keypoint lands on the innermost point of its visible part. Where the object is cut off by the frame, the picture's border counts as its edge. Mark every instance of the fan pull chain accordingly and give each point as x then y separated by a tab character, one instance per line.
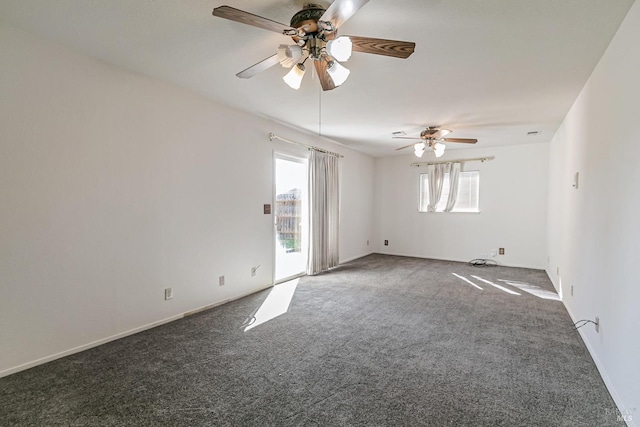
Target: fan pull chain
319	111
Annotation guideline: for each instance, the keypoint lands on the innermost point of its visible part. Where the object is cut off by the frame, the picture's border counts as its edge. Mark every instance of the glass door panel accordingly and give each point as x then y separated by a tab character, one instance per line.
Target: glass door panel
290	217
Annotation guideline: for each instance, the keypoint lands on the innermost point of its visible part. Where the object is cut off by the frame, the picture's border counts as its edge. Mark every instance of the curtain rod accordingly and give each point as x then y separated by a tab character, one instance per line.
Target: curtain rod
481	159
273	136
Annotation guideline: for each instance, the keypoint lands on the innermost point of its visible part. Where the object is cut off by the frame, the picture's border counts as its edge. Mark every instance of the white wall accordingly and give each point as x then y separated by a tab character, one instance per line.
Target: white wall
594	231
513	192
356	207
114	186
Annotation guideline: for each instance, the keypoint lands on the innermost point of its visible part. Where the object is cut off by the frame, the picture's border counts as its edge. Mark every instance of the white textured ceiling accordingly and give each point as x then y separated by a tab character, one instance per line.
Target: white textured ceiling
487	69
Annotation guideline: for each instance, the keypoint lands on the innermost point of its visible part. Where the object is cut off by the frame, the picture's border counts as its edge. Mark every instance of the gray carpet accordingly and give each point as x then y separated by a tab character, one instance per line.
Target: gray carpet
380	341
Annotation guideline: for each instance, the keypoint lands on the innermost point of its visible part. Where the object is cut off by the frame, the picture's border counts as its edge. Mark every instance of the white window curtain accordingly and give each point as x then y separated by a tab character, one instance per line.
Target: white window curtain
454	175
324	210
436	174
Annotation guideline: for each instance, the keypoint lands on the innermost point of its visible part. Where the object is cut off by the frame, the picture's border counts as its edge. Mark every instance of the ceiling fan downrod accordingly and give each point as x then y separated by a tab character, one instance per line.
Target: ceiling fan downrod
316	47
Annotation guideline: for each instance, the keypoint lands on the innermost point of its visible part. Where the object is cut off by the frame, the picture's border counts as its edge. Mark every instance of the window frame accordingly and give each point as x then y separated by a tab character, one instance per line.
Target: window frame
420	193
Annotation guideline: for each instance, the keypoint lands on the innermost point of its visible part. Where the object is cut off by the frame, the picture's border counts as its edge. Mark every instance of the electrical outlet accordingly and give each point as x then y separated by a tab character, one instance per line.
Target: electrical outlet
597	324
168	293
221	281
501	251
367	243
571	290
386	243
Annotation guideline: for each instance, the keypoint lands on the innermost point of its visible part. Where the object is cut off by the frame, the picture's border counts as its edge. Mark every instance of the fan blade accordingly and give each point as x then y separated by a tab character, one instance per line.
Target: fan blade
341	10
439	133
228	12
259	67
325	79
395	48
465	140
406	146
417	138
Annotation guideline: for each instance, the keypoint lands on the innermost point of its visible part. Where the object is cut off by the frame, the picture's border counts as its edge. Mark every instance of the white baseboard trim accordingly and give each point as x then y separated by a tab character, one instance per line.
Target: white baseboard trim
219	303
603	372
124	334
87	346
344	261
457	260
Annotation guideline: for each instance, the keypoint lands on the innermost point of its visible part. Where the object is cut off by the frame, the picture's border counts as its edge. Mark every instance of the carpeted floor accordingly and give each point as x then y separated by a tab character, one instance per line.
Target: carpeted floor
380	341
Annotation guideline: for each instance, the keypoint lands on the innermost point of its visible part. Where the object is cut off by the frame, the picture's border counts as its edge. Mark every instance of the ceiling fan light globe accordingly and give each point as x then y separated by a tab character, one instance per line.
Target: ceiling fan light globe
294	77
418	149
337	72
438	149
289	54
340	48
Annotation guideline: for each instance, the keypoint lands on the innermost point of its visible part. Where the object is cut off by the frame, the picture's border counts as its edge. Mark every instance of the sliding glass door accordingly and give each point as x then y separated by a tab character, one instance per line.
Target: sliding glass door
290	217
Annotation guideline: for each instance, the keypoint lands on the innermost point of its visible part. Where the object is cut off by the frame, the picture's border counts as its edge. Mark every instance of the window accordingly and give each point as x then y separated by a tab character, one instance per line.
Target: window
467	199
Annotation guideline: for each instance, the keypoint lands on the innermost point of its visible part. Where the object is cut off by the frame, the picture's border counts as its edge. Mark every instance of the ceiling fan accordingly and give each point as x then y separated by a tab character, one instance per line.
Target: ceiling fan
433	137
314	31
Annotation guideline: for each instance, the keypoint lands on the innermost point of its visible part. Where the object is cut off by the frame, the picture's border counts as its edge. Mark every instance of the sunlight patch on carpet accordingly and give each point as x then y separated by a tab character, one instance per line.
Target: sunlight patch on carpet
502	288
467	280
533	290
276	304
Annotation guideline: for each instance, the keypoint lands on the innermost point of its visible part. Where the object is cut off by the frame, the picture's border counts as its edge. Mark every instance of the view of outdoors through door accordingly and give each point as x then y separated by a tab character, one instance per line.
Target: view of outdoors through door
290	217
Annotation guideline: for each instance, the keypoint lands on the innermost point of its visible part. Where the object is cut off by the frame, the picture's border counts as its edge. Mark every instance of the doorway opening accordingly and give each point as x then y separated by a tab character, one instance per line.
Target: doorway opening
290	217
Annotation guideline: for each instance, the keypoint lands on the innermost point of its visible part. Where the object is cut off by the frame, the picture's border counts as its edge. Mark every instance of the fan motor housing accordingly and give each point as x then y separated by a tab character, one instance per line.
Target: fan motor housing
307	19
309	15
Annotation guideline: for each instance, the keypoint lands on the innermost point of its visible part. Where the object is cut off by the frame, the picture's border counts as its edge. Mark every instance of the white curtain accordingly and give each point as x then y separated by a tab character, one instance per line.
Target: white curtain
436	179
454	174
324	209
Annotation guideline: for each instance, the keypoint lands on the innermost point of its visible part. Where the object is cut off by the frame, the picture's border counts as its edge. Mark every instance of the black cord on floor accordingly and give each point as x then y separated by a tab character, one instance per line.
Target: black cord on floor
584	322
479	262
